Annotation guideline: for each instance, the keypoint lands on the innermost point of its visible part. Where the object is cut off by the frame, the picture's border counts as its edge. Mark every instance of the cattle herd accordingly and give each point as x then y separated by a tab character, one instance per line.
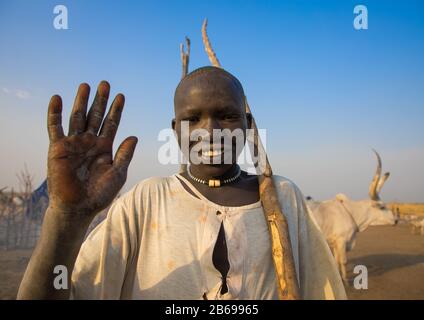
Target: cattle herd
340	219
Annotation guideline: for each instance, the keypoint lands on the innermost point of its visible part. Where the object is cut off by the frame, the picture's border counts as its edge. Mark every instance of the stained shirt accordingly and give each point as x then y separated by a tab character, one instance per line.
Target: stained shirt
158	239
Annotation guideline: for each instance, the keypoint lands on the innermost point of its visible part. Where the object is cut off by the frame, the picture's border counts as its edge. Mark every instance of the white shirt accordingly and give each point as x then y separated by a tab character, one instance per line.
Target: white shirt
158	239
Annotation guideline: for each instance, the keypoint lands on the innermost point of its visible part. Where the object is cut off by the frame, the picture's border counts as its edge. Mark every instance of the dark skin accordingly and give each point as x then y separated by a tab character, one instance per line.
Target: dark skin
216	107
84	177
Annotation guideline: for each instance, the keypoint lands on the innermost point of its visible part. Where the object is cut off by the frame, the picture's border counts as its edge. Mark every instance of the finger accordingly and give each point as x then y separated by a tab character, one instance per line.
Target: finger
124	154
111	123
97	110
54	119
78	115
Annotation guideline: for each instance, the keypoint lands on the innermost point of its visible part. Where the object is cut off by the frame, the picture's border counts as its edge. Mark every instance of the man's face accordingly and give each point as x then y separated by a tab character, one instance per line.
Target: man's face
212	103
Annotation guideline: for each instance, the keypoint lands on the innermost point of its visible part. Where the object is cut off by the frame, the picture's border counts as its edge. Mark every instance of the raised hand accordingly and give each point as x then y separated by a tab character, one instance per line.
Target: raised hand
83	176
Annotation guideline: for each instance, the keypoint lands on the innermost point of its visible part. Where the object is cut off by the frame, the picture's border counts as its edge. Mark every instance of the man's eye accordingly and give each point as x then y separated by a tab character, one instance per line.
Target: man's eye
191	119
231	117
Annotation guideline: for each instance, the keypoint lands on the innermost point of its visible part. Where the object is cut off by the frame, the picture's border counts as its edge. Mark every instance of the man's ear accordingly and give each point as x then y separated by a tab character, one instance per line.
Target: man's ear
173	124
249	120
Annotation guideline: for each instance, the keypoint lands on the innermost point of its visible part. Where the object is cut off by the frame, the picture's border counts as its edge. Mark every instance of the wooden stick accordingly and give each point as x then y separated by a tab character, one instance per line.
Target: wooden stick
277	222
185	57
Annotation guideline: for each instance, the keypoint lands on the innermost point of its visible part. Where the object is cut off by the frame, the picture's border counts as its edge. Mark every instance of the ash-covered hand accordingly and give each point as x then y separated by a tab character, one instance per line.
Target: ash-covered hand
83	176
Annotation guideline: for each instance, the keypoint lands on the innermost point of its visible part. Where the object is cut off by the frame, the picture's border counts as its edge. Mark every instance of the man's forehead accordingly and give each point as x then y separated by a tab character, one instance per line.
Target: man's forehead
217	98
222	88
209	83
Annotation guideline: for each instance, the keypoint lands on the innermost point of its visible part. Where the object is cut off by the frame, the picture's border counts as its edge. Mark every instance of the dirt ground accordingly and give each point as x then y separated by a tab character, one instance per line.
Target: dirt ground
12	267
393	256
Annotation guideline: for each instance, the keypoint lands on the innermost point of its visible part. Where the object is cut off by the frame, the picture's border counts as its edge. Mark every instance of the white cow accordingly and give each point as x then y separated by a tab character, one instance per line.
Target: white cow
417	226
311	203
340	219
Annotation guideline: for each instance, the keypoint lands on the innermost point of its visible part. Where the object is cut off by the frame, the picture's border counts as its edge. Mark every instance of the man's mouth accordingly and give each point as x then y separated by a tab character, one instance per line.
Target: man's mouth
211	153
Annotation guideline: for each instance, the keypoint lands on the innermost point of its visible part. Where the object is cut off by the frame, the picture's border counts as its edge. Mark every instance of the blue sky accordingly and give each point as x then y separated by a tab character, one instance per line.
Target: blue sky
325	92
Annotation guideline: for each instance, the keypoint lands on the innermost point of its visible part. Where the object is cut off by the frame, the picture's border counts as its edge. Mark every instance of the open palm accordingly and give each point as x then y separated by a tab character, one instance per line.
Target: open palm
83	176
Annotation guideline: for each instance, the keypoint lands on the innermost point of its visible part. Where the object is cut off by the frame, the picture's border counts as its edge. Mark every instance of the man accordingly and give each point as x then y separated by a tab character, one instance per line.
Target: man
196	235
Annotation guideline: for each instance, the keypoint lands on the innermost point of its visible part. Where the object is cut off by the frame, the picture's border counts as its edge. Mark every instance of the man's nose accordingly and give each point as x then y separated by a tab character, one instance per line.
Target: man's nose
211	125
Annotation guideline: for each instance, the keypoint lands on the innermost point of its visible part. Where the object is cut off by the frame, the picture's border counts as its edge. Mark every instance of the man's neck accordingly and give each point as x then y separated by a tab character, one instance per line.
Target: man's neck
241	192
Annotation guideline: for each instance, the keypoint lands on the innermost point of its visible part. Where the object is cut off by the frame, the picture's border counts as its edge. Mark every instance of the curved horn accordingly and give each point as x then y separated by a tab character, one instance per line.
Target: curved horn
382	181
373	186
208	47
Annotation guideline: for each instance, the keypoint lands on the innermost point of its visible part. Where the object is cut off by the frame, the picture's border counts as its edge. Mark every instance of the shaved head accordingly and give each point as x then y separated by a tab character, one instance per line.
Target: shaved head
210	82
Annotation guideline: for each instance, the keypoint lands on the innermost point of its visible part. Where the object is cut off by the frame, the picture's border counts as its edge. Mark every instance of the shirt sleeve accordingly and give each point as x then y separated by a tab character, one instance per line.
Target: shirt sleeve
103	266
319	276
317	272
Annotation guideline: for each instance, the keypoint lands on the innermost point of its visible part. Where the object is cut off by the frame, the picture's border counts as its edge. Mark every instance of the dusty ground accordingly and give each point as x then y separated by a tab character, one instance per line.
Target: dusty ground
394	258
12	266
395	261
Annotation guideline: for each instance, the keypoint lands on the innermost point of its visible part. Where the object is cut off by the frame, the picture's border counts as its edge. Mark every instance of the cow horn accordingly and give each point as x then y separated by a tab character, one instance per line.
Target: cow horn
382	181
373	186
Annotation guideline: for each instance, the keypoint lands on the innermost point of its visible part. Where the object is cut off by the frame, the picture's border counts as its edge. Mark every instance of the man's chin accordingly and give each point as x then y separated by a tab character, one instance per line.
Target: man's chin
211	169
